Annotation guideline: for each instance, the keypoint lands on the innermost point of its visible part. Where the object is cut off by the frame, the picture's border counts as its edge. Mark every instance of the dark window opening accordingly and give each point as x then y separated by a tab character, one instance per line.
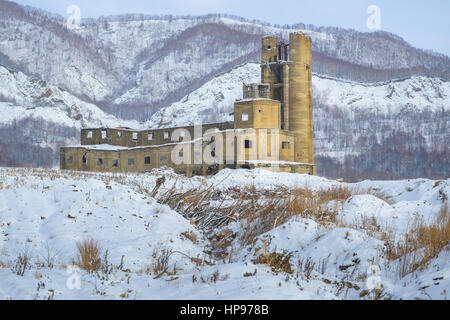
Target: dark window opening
70	159
84	160
115	163
213	153
181	154
99	161
131	162
248	144
286	145
147	160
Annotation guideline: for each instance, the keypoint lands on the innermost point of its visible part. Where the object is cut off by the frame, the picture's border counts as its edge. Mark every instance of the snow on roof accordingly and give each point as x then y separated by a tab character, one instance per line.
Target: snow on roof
256	99
256	162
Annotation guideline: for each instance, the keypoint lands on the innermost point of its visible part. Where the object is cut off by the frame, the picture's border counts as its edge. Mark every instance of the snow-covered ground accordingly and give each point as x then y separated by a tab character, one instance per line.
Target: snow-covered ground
45	212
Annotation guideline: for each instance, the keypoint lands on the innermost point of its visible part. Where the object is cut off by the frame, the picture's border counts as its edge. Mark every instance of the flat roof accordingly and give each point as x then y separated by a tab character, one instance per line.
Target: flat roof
154	129
255	99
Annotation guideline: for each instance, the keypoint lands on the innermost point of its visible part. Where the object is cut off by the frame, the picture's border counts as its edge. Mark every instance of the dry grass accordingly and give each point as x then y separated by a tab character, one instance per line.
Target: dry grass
160	263
278	262
211	208
190	235
422	243
22	263
89	255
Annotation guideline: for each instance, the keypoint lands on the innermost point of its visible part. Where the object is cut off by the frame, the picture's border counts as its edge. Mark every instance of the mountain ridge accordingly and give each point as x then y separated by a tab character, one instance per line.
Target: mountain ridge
122	61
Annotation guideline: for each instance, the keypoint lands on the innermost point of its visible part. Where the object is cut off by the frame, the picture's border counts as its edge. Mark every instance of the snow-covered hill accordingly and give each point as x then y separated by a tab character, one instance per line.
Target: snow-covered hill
214	100
390	98
37	118
43	213
146	62
23	97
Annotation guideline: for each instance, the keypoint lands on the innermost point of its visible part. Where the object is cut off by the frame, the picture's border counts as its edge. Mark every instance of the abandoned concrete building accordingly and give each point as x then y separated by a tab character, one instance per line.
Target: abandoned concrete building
272	128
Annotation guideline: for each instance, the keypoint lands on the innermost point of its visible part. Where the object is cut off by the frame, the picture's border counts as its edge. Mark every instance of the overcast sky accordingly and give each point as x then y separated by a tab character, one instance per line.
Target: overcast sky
423	23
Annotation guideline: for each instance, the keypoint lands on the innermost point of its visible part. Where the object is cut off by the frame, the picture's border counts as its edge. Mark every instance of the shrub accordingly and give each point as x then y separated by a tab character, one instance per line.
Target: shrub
422	243
161	260
89	255
22	263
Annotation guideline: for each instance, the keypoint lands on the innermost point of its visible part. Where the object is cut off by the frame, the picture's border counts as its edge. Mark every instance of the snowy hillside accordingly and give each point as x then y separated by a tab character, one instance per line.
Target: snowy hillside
37	118
213	251
23	97
393	97
213	102
146	62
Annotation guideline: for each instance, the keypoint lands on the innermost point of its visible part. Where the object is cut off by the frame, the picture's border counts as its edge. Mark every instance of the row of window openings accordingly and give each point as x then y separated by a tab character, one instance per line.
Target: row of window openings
115	163
135	135
248	144
150	134
284	145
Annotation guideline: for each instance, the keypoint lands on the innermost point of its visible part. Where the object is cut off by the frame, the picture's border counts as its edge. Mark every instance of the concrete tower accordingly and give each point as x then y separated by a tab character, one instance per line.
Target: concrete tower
300	97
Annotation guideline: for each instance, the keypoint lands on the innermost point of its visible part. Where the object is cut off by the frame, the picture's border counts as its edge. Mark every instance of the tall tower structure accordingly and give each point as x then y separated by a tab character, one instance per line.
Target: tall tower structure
286	68
300	97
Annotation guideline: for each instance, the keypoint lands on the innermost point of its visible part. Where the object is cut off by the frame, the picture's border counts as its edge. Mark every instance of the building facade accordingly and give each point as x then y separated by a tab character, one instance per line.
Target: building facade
272	128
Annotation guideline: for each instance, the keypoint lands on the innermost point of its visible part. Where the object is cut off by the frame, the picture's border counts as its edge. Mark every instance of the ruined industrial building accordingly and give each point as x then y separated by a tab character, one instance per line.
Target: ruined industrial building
272	128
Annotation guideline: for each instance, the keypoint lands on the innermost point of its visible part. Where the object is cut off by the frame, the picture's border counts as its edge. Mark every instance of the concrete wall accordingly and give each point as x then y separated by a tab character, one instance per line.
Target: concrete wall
262	113
126	137
300	97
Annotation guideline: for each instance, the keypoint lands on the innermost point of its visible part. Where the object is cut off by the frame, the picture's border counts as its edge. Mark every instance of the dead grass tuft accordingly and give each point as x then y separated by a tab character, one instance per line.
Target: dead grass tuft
22	262
190	235
160	263
89	255
422	243
278	262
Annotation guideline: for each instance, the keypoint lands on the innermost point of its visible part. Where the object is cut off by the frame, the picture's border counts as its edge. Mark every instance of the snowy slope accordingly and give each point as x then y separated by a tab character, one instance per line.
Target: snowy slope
22	97
151	61
211	103
393	97
46	212
214	100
